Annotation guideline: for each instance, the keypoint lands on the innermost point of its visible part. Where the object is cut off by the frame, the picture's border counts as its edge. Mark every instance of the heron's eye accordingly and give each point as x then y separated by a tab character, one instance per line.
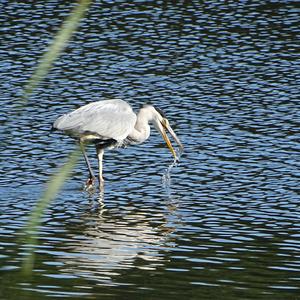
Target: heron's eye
165	122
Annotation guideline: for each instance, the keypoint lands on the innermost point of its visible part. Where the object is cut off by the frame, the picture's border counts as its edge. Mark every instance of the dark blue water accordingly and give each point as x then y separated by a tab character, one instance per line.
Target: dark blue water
224	223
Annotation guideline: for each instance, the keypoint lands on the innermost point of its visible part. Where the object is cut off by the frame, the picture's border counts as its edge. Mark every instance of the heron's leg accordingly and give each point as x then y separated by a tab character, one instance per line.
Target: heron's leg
100	152
92	177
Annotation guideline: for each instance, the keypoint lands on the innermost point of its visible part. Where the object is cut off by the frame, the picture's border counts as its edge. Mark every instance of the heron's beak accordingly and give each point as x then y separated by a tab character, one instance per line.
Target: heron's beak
168	127
162	129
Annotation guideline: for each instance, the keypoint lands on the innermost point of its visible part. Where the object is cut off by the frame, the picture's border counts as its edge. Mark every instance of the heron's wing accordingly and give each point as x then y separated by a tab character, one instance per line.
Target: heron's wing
112	119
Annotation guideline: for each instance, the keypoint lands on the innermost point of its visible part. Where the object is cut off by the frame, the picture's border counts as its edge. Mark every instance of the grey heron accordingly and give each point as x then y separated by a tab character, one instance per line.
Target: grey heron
111	124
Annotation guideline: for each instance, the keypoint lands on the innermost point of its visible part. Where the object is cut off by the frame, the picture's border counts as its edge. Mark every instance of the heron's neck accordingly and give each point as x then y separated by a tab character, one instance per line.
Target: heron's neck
141	130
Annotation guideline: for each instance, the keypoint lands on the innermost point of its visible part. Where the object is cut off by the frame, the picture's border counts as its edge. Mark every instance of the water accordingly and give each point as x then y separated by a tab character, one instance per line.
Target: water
224	222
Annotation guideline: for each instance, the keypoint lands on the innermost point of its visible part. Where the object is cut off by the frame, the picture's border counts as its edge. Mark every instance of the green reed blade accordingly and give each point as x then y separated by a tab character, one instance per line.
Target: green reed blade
35	219
56	47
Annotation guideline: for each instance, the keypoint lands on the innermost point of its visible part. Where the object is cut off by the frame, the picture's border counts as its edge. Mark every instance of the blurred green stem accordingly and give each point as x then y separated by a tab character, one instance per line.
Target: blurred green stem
56	47
35	219
57	180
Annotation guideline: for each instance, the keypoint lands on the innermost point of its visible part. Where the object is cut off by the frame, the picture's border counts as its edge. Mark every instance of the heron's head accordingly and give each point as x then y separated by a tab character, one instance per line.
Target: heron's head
161	123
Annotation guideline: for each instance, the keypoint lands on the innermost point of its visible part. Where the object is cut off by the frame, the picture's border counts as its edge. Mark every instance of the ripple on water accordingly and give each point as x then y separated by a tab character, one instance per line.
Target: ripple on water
226	216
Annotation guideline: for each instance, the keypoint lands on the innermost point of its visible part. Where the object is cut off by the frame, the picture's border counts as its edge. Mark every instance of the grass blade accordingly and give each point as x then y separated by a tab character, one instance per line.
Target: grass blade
57	180
35	219
56	47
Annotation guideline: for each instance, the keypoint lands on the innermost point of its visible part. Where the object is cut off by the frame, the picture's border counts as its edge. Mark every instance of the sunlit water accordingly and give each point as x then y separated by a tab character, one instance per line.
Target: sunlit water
222	223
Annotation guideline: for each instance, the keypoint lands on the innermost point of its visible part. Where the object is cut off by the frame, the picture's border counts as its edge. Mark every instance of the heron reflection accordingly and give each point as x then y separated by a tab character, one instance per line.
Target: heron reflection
110	124
111	242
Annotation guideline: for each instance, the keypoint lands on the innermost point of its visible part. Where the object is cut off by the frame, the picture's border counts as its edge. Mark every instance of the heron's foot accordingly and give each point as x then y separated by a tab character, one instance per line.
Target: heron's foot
89	185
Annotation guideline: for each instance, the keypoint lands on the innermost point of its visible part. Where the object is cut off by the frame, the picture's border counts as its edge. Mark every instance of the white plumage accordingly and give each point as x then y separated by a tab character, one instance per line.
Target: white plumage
107	119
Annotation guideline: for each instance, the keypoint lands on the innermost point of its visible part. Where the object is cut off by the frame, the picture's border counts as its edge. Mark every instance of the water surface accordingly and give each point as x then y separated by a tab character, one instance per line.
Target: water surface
223	223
